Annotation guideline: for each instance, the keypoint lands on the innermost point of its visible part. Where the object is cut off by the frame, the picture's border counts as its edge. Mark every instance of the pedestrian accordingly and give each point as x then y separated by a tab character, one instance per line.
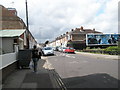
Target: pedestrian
35	57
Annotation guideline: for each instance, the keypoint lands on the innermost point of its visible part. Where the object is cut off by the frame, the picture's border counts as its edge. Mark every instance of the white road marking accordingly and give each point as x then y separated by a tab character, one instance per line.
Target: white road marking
65	55
70	56
48	65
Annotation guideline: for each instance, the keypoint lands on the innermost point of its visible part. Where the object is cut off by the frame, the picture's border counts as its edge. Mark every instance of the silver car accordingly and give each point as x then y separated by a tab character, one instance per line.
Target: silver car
48	51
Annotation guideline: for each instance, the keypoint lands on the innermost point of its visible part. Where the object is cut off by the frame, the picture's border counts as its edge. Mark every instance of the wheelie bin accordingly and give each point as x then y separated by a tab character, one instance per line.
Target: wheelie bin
24	58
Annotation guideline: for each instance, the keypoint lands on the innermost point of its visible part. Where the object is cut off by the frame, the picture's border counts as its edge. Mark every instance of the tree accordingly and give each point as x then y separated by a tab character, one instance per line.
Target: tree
47	42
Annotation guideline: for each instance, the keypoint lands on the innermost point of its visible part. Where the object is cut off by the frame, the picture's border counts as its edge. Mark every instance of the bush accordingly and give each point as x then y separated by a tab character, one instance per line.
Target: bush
112	48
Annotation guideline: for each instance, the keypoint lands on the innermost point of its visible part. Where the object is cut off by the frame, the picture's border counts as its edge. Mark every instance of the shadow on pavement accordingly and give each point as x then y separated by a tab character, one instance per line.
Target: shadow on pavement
42	62
26	79
101	80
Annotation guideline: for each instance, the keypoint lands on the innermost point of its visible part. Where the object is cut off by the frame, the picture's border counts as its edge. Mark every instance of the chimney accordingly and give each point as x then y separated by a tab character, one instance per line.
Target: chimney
93	29
66	32
13	11
81	28
72	29
76	28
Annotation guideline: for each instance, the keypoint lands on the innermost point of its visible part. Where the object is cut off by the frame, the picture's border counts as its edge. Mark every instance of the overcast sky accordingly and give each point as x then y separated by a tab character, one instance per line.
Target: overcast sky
51	18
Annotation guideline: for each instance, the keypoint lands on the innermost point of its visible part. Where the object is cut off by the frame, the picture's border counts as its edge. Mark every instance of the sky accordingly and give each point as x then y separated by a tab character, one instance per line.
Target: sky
49	19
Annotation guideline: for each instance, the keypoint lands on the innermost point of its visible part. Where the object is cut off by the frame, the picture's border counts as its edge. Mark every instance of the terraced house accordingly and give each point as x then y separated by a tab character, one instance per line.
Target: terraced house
13	37
76	38
10	22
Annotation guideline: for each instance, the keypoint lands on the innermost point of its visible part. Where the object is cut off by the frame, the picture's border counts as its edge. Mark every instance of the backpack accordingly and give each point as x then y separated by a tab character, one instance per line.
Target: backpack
35	53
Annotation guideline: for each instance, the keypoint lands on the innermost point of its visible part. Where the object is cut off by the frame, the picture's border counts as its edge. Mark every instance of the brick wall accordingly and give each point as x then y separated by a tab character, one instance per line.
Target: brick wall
78	36
11	20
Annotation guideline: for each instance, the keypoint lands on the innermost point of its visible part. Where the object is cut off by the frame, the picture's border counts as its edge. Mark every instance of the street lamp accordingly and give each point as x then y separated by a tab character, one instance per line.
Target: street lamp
27	15
27	31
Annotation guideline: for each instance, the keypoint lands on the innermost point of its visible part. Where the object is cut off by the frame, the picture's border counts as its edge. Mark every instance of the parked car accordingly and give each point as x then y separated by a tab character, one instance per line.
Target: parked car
53	48
69	50
63	49
56	48
60	49
48	51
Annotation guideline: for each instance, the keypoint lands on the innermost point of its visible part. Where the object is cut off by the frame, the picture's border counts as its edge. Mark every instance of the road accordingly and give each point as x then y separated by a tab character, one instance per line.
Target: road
85	70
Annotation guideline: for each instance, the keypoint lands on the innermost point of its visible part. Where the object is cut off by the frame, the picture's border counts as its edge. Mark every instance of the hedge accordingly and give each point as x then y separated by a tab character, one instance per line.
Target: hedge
113	50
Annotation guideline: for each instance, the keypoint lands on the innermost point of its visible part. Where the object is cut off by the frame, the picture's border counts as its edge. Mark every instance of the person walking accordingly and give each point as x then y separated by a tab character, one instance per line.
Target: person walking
35	57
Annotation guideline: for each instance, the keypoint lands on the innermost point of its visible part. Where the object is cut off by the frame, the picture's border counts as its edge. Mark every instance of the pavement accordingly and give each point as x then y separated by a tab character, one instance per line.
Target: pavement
115	57
27	79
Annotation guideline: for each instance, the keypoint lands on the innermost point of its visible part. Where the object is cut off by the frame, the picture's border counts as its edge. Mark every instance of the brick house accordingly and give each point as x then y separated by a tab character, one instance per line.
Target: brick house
10	21
76	38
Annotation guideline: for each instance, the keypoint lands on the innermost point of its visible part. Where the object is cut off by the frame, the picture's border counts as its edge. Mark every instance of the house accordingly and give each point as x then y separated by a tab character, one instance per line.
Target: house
10	20
15	39
14	36
12	40
76	38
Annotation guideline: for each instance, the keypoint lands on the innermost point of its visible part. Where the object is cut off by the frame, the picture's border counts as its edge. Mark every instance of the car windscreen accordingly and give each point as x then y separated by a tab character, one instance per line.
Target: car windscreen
48	48
65	48
71	48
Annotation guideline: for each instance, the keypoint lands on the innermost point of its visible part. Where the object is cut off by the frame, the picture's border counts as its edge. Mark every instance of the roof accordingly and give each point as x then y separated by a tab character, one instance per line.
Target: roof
11	32
84	31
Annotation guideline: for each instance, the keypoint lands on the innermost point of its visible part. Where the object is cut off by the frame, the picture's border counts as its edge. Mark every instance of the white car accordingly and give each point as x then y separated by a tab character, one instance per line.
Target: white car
48	51
60	49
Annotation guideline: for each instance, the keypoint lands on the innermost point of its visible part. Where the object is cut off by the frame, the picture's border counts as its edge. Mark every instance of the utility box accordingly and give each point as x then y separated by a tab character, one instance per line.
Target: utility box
24	58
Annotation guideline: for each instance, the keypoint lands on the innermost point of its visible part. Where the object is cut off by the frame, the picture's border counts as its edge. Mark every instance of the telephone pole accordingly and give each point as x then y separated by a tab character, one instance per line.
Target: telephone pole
27	31
27	15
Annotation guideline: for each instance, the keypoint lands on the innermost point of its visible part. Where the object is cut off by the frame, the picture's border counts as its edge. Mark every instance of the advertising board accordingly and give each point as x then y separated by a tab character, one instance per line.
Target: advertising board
102	39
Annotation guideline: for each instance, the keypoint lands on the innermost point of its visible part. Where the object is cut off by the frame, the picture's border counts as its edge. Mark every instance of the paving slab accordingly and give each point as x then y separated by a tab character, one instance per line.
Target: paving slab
26	78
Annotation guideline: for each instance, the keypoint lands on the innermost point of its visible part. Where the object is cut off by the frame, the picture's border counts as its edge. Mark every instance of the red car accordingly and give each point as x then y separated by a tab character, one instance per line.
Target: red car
69	50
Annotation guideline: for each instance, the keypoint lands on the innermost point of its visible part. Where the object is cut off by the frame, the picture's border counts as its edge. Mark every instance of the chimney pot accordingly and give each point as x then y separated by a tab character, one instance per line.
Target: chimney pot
81	28
72	29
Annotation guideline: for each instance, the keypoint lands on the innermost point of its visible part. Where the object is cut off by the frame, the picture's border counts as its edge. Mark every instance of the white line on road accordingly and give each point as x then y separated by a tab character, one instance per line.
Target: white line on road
65	55
70	56
48	65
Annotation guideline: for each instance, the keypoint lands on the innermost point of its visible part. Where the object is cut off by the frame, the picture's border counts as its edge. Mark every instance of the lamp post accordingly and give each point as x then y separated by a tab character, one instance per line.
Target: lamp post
27	15
27	31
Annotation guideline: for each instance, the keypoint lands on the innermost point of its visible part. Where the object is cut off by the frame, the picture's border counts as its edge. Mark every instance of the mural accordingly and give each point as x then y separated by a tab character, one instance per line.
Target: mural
102	39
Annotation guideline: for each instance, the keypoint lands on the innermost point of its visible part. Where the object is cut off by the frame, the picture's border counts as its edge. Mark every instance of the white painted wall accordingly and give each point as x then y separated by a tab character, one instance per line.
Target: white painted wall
7	59
0	45
21	44
1	65
64	44
7	45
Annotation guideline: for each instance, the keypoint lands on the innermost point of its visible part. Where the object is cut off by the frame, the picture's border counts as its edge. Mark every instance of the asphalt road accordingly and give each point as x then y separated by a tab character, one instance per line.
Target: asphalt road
85	70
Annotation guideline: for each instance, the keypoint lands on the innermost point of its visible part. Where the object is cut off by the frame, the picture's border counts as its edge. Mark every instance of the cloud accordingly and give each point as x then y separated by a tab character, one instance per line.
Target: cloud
49	19
107	21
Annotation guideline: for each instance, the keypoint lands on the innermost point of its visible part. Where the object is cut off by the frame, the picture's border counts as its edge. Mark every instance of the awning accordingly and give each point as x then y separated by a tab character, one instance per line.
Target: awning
11	32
